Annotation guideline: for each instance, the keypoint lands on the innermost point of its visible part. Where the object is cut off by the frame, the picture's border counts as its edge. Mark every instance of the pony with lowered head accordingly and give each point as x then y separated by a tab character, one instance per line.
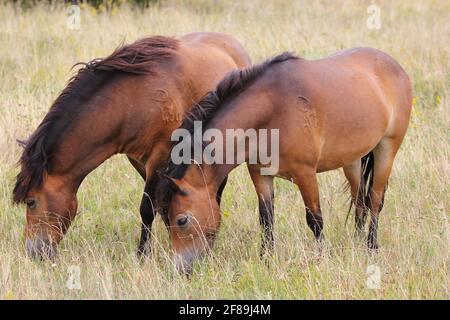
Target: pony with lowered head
128	102
350	110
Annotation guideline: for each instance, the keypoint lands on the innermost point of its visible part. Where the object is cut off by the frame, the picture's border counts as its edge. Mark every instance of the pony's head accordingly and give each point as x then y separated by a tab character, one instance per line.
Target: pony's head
50	201
188	198
192	215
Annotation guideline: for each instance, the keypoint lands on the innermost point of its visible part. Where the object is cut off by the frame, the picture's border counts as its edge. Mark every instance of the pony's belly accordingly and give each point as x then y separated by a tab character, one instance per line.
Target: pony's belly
351	135
340	156
328	166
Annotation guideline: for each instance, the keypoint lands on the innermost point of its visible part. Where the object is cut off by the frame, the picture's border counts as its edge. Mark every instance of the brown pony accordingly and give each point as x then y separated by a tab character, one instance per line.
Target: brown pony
128	102
350	110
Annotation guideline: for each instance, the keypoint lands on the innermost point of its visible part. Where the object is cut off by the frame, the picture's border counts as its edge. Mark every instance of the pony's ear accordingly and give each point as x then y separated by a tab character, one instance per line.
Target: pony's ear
174	184
21	143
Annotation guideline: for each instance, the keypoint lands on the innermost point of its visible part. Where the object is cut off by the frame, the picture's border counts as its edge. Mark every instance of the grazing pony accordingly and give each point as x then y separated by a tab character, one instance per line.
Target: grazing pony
350	110
128	102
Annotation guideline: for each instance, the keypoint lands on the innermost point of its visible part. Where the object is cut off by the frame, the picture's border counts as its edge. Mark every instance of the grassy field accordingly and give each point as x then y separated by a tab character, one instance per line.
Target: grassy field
36	53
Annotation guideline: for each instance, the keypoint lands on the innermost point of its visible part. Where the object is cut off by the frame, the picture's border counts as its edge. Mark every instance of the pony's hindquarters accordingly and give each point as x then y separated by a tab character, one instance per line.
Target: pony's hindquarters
396	85
349	111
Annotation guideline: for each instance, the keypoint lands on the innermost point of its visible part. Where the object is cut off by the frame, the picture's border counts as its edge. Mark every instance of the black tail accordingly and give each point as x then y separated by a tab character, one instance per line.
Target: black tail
367	163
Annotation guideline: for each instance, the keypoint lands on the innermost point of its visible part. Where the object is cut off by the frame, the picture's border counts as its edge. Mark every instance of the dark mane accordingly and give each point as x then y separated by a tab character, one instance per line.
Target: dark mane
229	87
141	57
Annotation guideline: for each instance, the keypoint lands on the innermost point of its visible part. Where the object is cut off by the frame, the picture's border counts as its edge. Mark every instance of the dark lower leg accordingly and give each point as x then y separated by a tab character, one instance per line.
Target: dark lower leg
309	189
372	242
264	189
266	209
315	223
376	199
147	211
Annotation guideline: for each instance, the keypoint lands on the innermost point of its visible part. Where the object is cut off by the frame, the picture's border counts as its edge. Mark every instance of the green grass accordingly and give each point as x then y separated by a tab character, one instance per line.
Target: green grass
36	53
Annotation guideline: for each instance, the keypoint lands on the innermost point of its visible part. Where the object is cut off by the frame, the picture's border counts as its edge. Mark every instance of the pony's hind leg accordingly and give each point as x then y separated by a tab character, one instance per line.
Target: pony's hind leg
306	180
147	211
353	173
264	189
146	208
384	155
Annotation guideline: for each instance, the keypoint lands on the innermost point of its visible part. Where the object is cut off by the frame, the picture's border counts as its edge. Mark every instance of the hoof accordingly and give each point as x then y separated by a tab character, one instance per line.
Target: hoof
142	253
372	246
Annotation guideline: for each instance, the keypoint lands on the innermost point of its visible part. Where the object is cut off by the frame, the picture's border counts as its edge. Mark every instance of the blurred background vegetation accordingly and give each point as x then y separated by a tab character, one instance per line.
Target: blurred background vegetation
106	4
38	49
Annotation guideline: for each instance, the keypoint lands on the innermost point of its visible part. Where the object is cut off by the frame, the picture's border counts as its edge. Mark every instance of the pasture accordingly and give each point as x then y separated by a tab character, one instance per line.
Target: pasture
37	50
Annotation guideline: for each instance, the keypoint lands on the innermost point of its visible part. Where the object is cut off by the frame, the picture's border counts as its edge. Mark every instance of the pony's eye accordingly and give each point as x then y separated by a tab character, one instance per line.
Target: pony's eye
182	220
31	203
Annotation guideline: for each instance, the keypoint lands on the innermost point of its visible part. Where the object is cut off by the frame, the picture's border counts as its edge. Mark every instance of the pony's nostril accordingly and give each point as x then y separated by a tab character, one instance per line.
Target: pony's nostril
181	221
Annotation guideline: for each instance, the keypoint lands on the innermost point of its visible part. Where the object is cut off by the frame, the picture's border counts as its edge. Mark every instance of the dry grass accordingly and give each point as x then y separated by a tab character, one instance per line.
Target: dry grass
36	53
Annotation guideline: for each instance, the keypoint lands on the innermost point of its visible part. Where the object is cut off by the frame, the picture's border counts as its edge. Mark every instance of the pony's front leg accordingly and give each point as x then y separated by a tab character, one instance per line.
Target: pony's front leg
147	211
264	189
306	180
140	168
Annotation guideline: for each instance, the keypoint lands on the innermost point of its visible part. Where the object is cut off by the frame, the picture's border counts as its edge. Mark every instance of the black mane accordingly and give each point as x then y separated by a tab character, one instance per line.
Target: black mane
140	57
229	87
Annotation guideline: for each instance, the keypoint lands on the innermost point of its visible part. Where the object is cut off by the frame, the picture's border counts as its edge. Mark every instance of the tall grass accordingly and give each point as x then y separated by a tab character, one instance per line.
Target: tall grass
37	51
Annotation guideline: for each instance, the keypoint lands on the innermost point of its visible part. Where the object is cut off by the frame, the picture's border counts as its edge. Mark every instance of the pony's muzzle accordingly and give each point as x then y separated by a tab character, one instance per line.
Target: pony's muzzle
40	248
183	261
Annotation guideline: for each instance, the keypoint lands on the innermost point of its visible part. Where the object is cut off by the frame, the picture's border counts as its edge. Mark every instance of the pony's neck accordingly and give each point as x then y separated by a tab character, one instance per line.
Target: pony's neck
239	116
94	136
